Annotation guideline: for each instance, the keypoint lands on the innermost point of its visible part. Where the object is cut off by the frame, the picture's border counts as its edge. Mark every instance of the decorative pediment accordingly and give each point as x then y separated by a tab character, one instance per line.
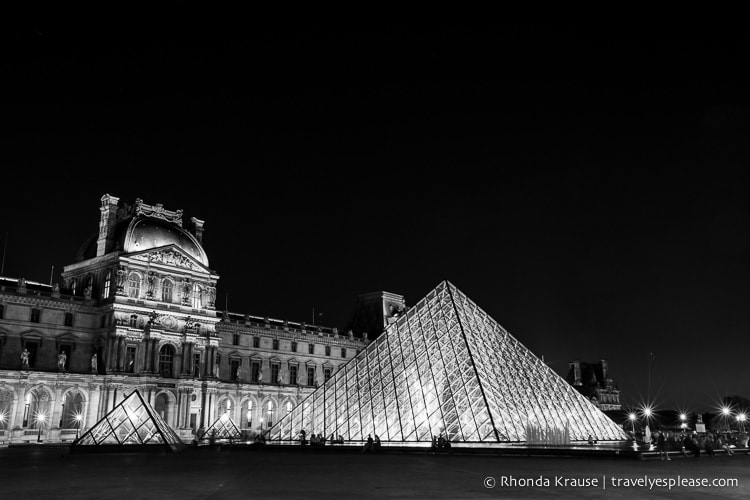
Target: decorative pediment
169	255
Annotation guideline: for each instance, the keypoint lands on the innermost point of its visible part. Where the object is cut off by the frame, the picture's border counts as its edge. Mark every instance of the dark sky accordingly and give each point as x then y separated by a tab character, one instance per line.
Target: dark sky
589	190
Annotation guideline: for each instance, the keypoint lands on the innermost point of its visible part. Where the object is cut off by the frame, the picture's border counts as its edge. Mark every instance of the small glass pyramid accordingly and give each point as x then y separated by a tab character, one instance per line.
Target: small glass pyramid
133	421
223	429
446	367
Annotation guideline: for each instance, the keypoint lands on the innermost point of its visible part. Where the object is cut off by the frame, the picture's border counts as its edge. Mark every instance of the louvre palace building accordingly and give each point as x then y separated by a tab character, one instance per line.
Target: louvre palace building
137	310
131	349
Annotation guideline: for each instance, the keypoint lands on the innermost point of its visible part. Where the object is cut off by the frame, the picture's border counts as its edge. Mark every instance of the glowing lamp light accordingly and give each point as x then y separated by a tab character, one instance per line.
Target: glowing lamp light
631	416
683	417
725	410
2	418
78	417
41	417
647	411
741	417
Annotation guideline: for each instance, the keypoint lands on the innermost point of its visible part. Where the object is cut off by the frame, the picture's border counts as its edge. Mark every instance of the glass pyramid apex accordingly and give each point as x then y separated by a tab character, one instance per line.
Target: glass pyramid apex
132	421
447	368
223	428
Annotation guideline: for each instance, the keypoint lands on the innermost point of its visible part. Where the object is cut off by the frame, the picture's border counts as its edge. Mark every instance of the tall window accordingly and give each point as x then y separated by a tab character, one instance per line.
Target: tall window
311	349
276	344
73	286
288	406
326	374
269	415
167	287
107	284
292	374
254	371
256	341
343	352
294	346
166	355
134	285
130	359
35	315
196	296
234	364
68	319
310	375
274	373
196	364
72	411
328	350
235	339
133	320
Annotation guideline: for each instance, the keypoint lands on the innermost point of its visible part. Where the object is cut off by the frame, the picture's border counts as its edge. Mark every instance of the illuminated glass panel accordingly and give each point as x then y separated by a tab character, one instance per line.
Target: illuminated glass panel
446	367
133	421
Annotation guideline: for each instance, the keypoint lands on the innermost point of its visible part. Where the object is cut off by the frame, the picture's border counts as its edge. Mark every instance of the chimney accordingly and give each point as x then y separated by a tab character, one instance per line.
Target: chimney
107	224
198	229
576	365
604	369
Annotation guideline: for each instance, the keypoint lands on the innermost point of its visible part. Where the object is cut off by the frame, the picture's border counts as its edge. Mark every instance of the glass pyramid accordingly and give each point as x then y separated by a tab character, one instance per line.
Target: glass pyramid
446	367
222	429
133	421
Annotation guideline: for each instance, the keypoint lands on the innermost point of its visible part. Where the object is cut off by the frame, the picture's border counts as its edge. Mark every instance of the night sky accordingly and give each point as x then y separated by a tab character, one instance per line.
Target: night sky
588	190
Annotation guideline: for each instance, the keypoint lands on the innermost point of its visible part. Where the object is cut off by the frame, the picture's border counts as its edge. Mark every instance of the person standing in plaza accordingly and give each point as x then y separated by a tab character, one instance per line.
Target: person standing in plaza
661	446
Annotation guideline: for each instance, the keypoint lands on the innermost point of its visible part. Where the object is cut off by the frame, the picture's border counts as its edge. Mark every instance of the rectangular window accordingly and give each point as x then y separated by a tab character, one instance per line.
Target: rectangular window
254	371
196	364
326	374
310	375
235	371
294	346
274	373
256	341
311	349
235	339
32	348
68	319
328	350
343	352
276	344
35	315
130	359
292	374
2	311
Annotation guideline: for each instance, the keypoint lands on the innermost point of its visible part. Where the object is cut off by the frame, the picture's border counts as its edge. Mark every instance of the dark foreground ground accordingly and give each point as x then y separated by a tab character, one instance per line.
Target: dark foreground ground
204	473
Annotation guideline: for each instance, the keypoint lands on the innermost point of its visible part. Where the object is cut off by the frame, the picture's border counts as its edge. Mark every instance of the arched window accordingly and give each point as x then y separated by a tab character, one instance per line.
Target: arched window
196	296
133	320
6	399
37	411
166	355
72	411
107	284
134	285
166	290
249	415
288	406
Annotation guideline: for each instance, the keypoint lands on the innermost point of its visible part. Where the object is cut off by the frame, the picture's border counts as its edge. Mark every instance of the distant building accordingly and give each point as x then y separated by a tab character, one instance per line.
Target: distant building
140	297
593	381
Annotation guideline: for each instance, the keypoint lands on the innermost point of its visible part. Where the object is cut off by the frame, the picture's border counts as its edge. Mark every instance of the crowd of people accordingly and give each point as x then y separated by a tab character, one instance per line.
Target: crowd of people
696	444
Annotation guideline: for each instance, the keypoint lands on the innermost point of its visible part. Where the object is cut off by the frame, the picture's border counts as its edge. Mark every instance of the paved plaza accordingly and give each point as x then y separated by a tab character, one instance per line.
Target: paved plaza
205	473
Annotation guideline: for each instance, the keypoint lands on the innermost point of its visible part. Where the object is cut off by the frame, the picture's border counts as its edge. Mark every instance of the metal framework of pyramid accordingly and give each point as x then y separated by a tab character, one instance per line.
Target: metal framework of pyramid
446	367
132	422
223	429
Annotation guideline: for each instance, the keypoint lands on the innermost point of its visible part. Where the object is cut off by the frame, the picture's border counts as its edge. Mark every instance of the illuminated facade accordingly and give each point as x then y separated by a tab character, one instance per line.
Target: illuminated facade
446	367
136	310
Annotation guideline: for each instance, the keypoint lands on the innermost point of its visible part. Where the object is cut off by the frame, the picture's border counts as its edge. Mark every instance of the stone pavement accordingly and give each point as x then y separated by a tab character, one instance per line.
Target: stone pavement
41	472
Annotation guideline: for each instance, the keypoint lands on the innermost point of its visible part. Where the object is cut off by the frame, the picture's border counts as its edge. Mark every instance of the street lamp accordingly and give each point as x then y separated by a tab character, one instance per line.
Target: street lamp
40	418
741	421
79	419
725	412
632	418
683	421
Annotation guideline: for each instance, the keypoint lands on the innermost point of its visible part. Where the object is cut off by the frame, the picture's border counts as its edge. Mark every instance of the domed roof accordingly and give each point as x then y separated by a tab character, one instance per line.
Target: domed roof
144	233
139	233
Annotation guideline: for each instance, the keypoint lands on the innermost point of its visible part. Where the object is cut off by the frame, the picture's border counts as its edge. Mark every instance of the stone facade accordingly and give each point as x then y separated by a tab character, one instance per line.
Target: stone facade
137	311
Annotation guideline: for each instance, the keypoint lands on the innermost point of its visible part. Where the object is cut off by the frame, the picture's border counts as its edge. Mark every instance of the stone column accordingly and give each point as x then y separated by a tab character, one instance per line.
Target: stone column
57	408
188	404
177	362
92	406
21	406
147	345
155	359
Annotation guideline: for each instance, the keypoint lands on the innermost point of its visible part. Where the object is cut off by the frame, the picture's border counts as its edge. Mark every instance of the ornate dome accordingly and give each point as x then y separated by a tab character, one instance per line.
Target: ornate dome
144	233
139	233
